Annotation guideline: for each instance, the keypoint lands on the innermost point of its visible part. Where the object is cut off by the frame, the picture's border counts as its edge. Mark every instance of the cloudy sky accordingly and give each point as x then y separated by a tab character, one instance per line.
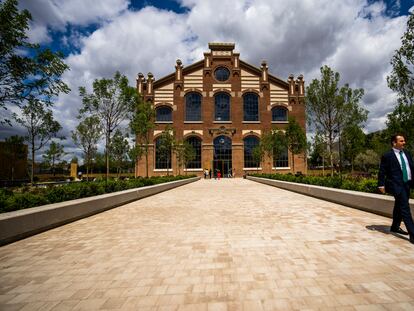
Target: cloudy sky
357	38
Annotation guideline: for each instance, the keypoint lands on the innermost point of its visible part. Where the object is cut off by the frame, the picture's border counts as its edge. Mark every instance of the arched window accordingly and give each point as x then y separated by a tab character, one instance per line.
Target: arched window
279	114
163	114
251	107
162	155
195	142
281	159
193	107
222	107
250	142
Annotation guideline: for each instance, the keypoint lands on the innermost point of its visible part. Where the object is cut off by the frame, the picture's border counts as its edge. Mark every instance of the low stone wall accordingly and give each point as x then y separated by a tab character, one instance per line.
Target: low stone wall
23	223
369	202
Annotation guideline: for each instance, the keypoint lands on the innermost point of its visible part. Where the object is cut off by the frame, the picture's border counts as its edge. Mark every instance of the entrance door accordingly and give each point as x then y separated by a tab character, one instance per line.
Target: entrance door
222	155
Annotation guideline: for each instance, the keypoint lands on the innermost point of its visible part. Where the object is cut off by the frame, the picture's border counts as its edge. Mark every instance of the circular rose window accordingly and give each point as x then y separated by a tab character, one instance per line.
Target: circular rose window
222	74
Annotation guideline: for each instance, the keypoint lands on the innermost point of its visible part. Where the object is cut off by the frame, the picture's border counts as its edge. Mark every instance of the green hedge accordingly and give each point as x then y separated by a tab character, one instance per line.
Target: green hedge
357	184
27	197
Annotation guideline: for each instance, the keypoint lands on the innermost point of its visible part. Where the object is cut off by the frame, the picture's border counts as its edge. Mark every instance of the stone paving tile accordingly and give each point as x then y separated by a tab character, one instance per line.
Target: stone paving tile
213	245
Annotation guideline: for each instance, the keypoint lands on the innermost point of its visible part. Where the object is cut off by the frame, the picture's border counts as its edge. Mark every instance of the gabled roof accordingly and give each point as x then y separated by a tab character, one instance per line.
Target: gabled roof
200	64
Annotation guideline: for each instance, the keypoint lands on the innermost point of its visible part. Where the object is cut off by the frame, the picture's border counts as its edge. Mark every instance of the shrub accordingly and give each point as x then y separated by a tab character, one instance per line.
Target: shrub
26	197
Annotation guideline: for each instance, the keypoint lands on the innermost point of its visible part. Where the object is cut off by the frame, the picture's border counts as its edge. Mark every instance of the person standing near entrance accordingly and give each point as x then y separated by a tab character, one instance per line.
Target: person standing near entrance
396	177
209	173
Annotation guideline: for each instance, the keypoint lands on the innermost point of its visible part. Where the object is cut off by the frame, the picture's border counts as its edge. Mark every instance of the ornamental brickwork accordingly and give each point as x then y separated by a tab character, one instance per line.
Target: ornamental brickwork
222	105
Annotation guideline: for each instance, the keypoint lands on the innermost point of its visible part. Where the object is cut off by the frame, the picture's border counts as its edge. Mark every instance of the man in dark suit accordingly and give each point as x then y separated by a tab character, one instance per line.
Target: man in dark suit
396	177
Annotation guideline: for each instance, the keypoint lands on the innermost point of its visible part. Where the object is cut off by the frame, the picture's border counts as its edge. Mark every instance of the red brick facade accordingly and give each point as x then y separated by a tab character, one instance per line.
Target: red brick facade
201	78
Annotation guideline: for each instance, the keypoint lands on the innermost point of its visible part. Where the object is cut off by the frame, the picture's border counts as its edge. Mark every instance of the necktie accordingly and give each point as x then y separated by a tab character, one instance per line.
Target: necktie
403	167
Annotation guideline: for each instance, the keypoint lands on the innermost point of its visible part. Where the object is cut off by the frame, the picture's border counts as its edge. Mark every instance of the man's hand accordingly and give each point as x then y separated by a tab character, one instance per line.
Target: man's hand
381	189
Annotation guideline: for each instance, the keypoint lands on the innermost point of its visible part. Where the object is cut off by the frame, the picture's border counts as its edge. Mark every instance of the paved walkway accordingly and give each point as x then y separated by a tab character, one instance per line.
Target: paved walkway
213	245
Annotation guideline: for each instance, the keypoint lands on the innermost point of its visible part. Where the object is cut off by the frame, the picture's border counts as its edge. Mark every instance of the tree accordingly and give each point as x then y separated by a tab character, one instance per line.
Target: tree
366	159
295	139
272	144
86	136
14	150
112	101
184	152
26	71
353	142
53	155
135	154
401	80
165	145
40	127
258	155
141	125
329	107
119	150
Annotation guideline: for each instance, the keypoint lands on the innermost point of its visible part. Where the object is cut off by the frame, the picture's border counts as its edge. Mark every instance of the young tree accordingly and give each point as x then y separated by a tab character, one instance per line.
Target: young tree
319	151
401	81
86	136
119	150
353	142
366	159
40	127
166	144
329	107
14	150
272	144
184	153
295	139
135	154
26	71
53	155
258	155
141	125
112	101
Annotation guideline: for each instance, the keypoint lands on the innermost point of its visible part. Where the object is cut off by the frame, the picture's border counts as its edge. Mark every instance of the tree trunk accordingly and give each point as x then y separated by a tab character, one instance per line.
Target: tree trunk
107	156
33	162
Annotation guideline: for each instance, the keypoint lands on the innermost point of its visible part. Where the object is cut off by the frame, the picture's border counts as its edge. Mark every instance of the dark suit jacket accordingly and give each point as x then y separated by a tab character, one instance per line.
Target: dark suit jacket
390	173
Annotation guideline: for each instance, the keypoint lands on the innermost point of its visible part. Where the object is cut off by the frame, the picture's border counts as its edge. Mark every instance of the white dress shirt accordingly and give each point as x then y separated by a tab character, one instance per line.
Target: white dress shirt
407	164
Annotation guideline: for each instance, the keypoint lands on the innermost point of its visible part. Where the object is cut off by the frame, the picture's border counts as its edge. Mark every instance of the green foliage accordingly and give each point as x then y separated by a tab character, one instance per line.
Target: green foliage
295	139
141	125
401	80
26	71
112	102
165	144
185	153
86	136
40	126
356	184
53	155
119	150
14	150
11	201
330	108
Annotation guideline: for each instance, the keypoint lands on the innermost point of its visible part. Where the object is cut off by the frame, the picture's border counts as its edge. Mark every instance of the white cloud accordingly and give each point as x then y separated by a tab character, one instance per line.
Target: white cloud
297	36
57	14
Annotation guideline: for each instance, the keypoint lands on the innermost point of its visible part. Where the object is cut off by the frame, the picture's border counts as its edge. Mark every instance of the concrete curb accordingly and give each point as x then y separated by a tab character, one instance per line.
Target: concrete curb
24	223
369	202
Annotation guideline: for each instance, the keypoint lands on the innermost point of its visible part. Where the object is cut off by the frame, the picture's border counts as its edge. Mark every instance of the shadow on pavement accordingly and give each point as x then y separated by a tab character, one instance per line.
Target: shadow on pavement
386	230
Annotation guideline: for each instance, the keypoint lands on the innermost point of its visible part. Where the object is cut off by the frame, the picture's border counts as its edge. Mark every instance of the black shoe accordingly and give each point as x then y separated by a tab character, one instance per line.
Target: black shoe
400	231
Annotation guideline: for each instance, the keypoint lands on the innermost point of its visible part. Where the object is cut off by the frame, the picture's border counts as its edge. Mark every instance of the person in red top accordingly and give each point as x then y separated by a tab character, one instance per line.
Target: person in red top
218	174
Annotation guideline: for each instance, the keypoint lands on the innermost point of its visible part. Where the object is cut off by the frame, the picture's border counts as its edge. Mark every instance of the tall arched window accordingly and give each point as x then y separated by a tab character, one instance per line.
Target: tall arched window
281	159
250	107
222	107
193	107
250	142
195	142
279	114
162	155
163	114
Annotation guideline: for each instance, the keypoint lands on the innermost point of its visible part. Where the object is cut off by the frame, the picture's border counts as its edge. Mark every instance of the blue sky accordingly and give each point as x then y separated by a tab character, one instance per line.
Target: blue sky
357	38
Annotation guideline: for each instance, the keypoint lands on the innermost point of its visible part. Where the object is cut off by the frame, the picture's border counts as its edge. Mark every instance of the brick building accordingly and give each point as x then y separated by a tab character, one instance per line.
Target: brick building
222	106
